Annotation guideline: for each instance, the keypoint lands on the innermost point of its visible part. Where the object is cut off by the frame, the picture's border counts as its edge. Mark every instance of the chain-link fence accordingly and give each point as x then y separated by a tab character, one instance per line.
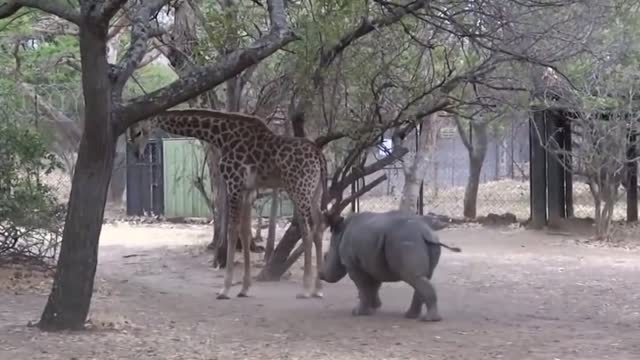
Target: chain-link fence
503	186
55	111
503	182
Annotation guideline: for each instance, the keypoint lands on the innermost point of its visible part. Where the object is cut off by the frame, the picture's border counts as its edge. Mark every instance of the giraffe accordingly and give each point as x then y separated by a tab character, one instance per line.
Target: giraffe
252	156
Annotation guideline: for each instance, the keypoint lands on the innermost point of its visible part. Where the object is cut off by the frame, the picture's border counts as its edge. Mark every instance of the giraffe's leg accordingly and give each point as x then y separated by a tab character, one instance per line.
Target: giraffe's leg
307	277
317	220
233	212
317	241
245	237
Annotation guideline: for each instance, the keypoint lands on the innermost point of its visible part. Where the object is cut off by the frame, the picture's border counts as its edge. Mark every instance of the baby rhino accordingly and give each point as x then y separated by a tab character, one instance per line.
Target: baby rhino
385	247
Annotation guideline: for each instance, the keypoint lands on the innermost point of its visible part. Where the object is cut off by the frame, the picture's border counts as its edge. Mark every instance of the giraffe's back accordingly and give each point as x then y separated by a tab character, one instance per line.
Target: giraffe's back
283	159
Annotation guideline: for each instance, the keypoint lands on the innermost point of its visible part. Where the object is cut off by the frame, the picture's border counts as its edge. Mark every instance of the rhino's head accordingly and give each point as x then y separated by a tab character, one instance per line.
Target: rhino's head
332	269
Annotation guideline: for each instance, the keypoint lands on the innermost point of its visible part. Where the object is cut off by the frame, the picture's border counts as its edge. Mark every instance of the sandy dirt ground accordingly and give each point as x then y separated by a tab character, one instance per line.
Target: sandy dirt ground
511	294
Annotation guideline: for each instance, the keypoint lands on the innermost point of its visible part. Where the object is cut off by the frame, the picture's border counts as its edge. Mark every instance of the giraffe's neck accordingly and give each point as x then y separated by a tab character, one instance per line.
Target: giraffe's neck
215	127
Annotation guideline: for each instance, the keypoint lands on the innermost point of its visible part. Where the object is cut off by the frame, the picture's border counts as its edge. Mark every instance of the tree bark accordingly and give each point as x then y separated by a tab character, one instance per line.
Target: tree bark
70	298
511	151
271	234
415	168
496	153
410	190
471	190
218	241
118	182
258	237
476	143
278	264
477	154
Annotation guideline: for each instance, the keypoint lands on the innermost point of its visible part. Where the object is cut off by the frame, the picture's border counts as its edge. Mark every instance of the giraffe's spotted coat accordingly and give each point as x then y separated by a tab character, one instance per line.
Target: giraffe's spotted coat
252	156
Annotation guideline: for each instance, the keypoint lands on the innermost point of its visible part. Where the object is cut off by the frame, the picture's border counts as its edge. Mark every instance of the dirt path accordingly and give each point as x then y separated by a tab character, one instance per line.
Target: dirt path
510	294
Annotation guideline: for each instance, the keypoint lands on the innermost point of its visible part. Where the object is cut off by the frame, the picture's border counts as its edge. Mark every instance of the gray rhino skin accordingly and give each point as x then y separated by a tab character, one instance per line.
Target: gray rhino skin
373	248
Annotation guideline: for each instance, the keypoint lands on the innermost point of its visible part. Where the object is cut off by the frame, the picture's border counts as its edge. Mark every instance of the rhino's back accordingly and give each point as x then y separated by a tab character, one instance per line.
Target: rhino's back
370	238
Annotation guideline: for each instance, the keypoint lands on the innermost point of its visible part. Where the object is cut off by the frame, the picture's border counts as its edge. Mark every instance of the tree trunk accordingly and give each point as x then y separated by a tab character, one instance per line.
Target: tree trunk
410	189
219	216
511	151
477	152
118	182
471	191
277	264
273	216
259	220
70	298
415	168
496	154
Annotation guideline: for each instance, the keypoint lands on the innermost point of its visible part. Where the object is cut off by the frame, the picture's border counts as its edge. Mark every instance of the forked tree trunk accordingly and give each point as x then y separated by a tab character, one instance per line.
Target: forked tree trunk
476	143
605	206
70	298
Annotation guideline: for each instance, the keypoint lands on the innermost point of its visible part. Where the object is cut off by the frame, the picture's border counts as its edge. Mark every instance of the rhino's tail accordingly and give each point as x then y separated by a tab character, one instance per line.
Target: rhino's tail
452	248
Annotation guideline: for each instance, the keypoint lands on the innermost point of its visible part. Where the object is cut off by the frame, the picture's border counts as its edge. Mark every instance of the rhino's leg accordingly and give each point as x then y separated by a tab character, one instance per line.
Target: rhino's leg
377	303
416	306
427	292
367	292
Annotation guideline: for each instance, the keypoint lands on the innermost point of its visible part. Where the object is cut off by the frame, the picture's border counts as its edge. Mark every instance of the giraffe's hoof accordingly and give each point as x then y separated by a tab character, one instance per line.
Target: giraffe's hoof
243	295
317	295
222	297
303	296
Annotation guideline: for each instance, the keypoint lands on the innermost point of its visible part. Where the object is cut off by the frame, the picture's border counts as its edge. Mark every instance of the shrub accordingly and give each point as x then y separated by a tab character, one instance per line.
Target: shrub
31	218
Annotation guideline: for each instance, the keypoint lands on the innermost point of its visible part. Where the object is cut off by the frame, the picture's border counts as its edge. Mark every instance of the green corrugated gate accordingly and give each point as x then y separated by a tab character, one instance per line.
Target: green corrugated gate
183	164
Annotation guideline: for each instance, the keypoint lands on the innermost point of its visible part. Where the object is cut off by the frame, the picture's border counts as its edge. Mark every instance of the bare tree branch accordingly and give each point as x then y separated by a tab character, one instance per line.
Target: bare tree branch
110	8
302	102
118	25
55	7
70	130
397	153
141	31
201	79
323	140
277	15
365	27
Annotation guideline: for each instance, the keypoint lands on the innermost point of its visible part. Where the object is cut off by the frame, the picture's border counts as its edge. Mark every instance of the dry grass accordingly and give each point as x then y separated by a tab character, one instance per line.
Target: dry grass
493	197
25	279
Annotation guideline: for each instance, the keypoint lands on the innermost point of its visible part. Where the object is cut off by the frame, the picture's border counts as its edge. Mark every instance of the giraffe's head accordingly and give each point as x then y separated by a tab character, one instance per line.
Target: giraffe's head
137	136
